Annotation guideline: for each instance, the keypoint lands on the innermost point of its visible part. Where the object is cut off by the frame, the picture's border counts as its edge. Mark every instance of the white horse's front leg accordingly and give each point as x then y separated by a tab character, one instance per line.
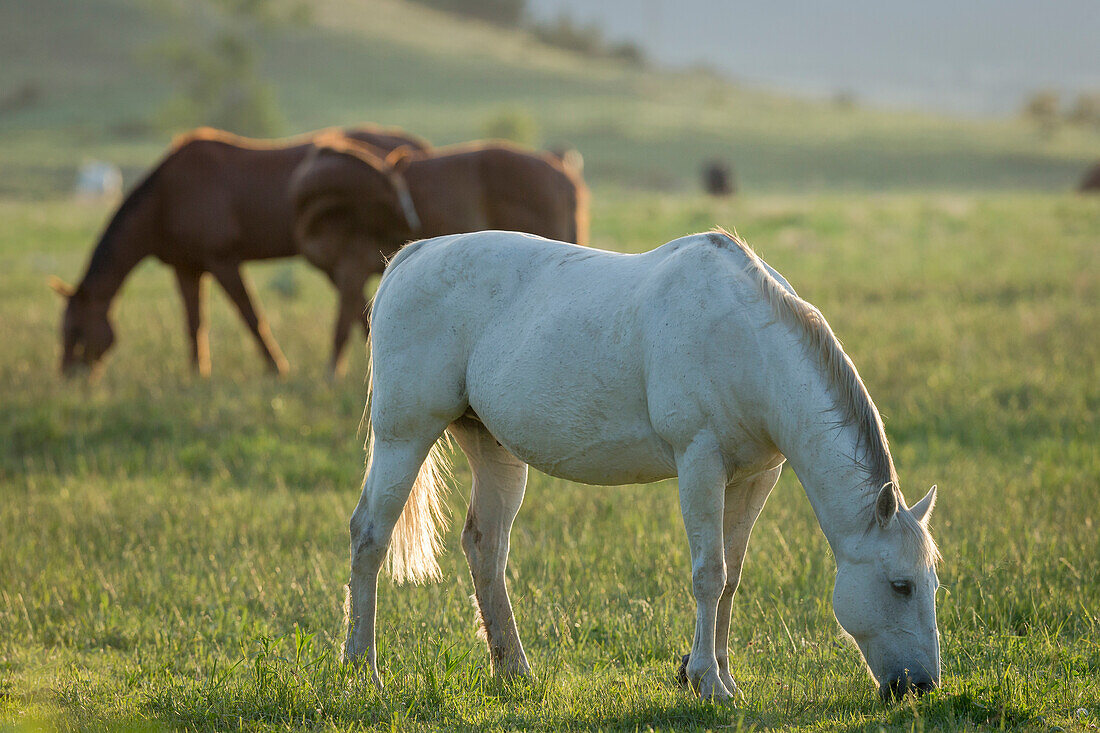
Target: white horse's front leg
702	487
744	500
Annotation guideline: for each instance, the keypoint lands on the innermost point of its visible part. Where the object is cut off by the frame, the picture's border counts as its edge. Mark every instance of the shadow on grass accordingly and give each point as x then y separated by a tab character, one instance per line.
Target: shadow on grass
282	683
962	710
271	435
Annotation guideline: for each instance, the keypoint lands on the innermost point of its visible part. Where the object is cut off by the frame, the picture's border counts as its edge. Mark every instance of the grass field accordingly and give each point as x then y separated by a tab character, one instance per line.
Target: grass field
172	550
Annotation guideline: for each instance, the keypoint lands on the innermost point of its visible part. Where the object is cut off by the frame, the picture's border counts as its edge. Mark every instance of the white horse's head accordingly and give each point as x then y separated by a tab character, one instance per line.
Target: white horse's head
885	595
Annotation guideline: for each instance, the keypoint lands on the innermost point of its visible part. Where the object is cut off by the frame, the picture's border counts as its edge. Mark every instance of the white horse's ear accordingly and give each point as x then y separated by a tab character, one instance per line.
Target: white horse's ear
886	505
922	510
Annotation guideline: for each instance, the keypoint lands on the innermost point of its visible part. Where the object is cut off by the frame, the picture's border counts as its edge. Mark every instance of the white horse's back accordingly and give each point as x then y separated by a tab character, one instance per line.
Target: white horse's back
563	352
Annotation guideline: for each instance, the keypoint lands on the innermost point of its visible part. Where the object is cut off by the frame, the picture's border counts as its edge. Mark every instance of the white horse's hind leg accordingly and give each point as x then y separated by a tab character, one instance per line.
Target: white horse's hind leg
744	500
702	483
393	469
499	482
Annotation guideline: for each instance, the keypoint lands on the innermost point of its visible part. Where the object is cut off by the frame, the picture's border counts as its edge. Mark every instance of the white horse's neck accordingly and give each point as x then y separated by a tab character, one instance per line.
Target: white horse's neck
824	450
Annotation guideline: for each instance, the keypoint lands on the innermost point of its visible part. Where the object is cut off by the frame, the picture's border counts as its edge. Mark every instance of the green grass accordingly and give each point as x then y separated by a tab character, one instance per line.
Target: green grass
172	550
398	63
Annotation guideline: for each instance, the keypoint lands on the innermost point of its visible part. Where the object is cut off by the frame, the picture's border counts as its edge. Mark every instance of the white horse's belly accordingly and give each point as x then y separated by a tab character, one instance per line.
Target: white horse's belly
619	460
605	438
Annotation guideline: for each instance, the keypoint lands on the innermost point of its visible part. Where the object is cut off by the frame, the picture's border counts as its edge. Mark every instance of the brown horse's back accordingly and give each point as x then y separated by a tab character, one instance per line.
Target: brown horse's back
387	138
534	193
226	197
498	186
220	200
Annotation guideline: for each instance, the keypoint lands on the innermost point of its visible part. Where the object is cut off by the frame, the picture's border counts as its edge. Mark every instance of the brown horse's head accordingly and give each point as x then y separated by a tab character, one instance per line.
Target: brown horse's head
86	332
343	191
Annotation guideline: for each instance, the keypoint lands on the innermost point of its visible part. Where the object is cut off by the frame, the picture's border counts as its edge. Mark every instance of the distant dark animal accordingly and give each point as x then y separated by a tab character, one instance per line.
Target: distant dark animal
718	178
355	208
22	97
1091	182
215	200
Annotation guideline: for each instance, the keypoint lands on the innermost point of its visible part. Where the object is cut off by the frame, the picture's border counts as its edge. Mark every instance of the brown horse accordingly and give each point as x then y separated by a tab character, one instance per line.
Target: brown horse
355	208
215	200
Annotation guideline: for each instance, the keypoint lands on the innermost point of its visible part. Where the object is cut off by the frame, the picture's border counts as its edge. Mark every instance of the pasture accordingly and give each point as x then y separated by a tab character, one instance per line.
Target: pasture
173	549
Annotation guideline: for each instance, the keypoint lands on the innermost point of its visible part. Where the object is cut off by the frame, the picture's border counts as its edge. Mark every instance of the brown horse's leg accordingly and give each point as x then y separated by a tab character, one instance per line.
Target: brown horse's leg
353	307
190	284
229	277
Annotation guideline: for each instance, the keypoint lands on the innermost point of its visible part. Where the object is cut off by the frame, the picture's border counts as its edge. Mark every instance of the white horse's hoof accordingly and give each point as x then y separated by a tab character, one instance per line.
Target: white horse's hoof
708	683
731	686
710	687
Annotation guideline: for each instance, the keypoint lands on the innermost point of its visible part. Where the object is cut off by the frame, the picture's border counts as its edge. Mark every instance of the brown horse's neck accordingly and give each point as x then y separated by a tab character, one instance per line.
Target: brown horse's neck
127	240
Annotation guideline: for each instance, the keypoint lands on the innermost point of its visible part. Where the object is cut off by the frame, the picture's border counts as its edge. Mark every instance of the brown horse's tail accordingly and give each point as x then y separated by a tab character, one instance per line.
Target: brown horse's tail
580	212
578	205
571	163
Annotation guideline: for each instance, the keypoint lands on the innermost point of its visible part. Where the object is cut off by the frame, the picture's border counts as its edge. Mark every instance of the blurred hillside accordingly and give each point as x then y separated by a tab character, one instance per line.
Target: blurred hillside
81	82
980	57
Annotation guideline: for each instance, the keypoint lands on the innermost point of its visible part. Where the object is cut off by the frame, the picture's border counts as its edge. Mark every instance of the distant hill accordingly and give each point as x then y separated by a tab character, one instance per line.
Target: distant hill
396	62
979	57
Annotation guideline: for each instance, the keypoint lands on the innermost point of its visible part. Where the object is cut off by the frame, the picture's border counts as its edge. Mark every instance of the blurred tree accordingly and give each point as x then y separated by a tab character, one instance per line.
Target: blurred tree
845	99
587	39
564	32
512	123
1086	110
629	52
1043	107
508	13
214	64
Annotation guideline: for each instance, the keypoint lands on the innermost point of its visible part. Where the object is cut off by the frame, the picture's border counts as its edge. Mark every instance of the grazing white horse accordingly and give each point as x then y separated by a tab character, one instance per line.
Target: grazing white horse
694	360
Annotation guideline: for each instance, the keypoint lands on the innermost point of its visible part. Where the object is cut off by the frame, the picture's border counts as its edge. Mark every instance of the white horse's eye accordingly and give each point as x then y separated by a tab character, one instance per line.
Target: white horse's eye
902	587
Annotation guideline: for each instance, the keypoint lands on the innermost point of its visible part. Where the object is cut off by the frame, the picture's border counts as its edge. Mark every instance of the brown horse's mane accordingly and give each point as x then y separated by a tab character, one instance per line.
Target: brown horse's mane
213	134
336	141
103	256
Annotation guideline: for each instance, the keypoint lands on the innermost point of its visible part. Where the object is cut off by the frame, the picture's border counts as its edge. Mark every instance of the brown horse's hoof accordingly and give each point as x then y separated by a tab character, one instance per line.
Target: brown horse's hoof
682	672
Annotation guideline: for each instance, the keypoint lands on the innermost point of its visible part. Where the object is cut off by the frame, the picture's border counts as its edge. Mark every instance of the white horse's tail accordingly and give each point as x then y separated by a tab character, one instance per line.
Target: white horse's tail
416	540
417	536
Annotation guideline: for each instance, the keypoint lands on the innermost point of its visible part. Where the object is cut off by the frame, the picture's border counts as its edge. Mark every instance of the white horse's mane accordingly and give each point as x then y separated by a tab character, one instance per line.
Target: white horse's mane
852	398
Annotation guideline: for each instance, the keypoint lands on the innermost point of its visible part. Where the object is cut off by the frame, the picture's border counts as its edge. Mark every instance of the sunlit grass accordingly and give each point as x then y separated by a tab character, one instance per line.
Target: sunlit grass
172	550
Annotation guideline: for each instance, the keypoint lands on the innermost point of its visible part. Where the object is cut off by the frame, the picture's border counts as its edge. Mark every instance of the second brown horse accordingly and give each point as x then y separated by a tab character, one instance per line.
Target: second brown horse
216	200
354	208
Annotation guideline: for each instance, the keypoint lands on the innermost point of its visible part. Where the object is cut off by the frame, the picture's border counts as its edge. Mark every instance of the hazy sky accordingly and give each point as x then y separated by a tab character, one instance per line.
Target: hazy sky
969	56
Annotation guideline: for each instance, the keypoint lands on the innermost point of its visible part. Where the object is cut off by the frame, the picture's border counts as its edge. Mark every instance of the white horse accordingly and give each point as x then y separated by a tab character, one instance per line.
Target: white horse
694	360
